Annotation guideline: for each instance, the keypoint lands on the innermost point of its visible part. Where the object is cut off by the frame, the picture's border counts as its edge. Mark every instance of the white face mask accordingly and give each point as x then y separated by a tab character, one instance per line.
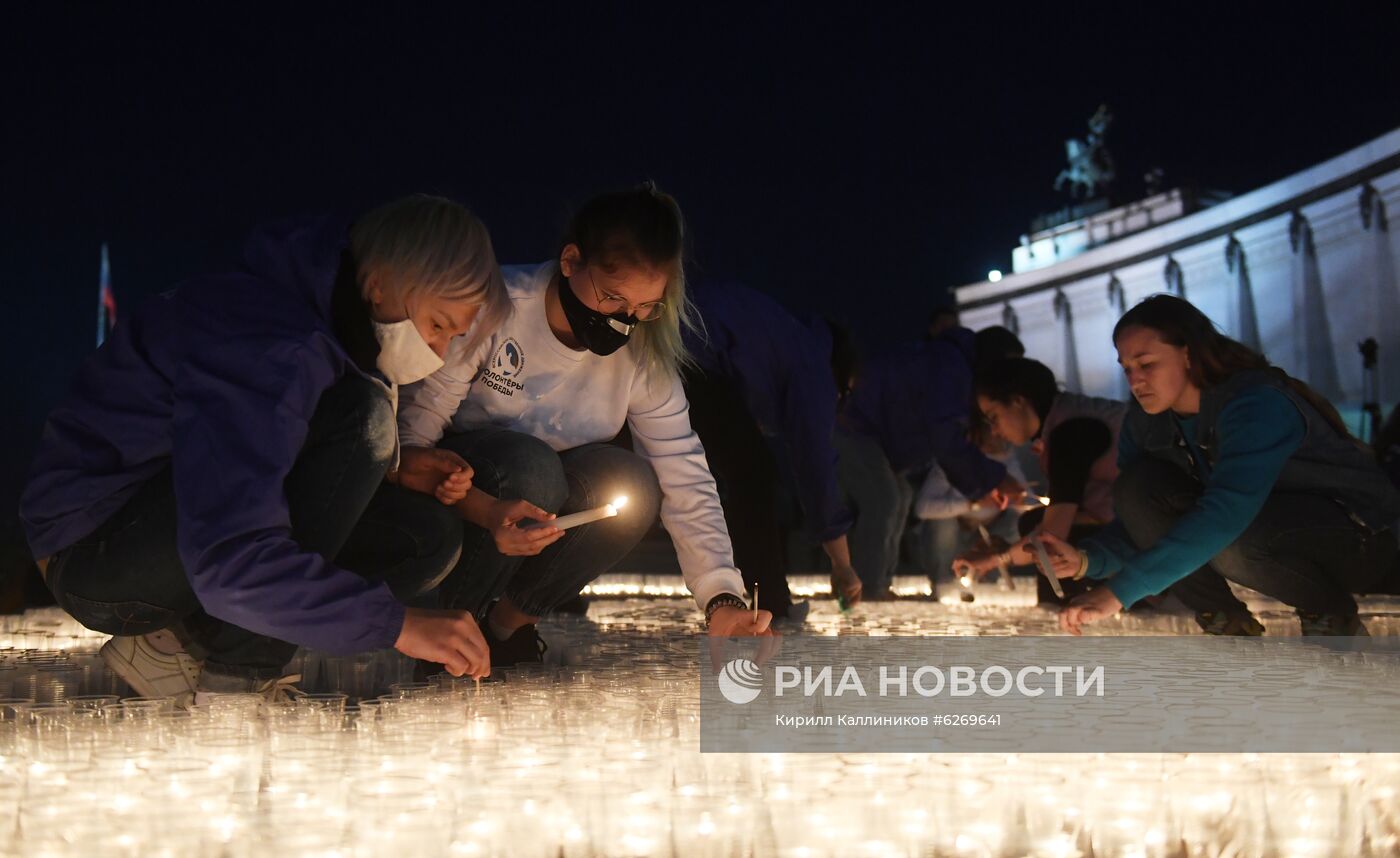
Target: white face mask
404	356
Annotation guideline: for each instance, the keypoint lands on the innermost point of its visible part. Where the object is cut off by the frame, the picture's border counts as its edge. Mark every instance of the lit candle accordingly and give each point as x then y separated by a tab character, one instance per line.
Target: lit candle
966	593
608	510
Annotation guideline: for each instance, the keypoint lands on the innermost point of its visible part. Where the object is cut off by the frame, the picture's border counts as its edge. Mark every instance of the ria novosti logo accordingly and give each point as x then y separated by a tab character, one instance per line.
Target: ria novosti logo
740	681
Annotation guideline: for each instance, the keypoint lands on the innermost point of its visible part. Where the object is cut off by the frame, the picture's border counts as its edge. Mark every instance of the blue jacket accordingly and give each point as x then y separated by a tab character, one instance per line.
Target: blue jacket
915	402
781	367
218	379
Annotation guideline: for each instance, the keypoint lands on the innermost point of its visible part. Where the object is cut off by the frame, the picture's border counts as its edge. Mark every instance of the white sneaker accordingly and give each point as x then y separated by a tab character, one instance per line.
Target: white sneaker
282	689
154	665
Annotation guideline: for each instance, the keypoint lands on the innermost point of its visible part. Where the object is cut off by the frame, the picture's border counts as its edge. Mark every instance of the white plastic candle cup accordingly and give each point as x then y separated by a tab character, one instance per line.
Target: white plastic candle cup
328	706
138	708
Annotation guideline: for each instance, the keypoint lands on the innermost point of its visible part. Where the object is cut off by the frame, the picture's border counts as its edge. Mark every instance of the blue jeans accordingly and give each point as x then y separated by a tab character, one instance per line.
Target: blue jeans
512	466
126	578
940	540
880	500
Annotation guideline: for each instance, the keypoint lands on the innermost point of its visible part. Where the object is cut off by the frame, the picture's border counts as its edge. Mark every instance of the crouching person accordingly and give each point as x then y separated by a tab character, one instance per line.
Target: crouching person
593	344
1076	438
1231	471
213	491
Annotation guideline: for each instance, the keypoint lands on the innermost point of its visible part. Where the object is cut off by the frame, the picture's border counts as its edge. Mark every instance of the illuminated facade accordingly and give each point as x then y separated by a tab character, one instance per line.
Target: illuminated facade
1304	269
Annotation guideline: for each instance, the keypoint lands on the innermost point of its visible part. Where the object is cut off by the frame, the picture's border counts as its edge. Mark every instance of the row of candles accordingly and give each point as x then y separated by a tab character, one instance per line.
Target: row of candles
599	757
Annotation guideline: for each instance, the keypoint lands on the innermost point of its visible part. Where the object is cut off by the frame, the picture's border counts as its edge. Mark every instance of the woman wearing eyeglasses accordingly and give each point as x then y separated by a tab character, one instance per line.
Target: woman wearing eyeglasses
594	342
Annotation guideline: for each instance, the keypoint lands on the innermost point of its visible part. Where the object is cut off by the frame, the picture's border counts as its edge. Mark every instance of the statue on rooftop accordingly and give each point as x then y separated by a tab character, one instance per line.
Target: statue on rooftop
1090	169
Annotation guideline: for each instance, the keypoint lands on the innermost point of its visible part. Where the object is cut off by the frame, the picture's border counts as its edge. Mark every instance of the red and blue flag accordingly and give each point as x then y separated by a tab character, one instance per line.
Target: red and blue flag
106	300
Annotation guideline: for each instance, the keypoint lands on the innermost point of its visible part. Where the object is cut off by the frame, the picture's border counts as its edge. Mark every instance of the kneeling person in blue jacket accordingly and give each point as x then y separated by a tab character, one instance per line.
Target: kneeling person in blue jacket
763	379
213	491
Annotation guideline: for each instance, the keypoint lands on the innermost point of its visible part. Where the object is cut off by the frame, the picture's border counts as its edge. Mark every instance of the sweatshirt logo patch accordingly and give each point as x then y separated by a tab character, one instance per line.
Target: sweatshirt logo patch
510	360
505	366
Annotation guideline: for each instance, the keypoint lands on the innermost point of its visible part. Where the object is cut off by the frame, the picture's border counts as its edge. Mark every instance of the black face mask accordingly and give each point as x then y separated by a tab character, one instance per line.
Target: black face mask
600	333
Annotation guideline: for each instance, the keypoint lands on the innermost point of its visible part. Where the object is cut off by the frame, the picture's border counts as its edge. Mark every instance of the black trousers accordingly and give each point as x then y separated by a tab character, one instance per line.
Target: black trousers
1303	550
747	476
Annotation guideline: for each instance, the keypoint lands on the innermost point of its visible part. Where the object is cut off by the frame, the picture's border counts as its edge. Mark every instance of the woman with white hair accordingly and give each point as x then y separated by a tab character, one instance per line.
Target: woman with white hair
594	343
213	491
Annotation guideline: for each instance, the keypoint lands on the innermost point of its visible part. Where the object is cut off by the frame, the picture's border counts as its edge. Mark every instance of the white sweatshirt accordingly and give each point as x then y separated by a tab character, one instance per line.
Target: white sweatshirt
939	500
522	378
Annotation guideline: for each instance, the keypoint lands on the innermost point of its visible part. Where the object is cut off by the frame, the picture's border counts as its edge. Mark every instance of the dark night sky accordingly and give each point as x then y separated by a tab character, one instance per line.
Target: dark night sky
857	163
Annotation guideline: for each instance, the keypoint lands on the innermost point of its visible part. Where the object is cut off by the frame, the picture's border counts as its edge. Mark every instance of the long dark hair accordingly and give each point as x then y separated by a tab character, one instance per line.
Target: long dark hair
1214	357
1004	380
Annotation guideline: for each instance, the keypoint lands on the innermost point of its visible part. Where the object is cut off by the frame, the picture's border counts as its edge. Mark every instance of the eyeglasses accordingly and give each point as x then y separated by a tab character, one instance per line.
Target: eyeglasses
611	305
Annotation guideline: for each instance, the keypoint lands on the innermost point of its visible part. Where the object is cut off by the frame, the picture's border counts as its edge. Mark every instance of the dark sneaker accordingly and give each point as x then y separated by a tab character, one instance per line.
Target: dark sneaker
793	616
1332	625
1230	624
525	646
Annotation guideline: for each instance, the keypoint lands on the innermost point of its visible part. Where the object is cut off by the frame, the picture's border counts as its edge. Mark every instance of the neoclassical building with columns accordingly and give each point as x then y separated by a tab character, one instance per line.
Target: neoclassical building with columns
1304	269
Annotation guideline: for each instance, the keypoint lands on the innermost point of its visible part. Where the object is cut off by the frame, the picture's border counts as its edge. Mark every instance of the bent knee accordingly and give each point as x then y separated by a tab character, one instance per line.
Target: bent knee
381	431
529	468
364	407
644	490
440	542
512	465
608	473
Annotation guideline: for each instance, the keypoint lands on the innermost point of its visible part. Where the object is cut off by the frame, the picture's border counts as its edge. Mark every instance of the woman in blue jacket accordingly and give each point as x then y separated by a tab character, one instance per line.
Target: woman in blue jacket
1231	471
213	490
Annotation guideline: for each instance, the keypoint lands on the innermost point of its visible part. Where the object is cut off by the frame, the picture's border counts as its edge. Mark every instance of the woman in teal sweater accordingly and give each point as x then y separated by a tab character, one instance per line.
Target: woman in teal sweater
1232	471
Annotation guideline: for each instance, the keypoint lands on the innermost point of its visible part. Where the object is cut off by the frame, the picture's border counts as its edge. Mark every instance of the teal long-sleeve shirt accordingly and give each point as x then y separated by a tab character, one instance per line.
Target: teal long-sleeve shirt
1258	431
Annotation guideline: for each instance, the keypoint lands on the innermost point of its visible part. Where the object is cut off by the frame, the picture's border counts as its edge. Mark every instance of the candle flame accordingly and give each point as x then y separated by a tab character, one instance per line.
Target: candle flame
619	502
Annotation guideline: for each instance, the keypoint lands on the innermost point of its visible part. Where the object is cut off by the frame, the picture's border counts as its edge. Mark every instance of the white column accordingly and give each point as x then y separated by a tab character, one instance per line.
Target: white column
1065	314
1312	329
1385	291
1176	284
1246	319
1118	300
1009	319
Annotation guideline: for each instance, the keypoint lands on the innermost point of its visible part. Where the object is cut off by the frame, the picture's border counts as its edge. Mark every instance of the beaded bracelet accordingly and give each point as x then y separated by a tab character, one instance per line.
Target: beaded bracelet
723	600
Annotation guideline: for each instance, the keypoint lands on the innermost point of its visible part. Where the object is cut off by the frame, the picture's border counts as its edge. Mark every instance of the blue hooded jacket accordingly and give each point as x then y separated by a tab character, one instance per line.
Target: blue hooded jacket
915	401
781	367
218	379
